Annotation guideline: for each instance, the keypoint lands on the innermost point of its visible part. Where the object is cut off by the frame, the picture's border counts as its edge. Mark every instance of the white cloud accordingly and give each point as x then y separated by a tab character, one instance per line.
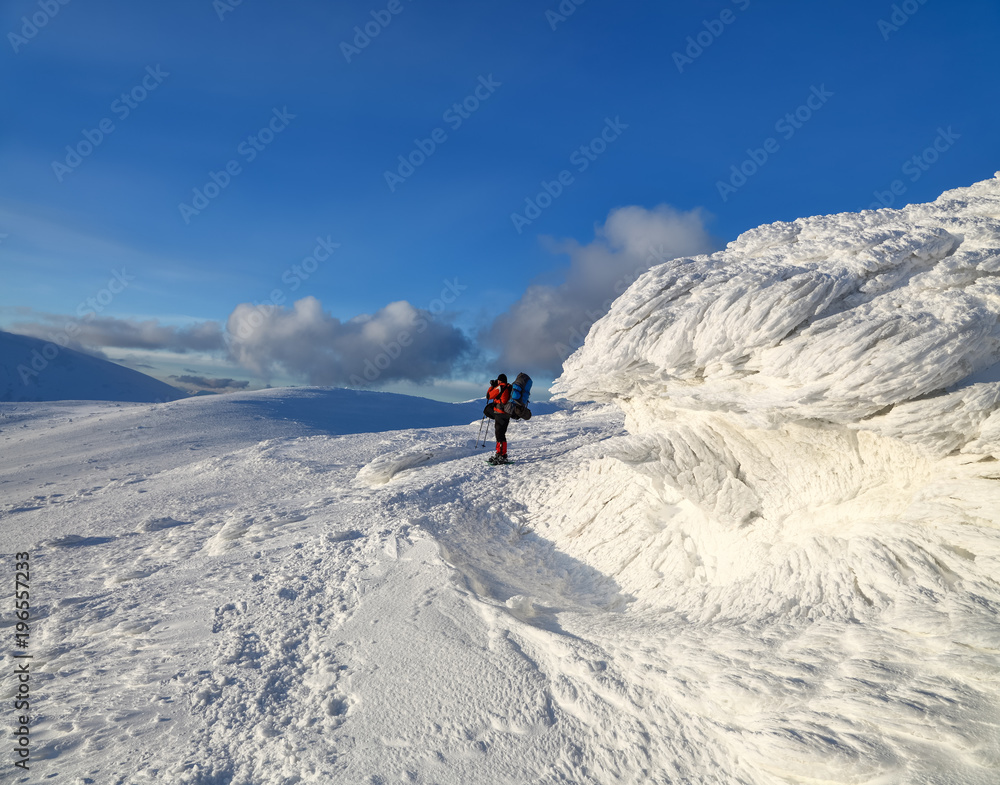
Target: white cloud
547	323
401	344
397	342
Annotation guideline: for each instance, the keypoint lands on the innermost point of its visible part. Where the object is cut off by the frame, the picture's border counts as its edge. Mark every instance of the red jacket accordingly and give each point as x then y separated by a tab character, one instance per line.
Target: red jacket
499	394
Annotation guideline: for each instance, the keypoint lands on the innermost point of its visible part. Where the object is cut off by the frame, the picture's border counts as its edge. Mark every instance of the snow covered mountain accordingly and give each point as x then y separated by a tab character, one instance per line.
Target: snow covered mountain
35	370
761	548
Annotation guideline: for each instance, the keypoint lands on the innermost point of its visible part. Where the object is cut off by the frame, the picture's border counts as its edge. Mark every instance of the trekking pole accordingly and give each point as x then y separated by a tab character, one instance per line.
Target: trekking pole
481	431
487	434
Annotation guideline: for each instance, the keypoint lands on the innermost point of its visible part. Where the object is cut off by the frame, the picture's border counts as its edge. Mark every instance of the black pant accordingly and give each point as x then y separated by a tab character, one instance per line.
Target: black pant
500	423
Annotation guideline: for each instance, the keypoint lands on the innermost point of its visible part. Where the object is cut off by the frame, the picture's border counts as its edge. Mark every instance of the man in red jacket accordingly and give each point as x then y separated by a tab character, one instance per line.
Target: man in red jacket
498	395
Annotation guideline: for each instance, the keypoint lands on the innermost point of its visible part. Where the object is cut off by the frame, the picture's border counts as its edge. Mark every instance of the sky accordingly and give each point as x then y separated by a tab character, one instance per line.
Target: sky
415	195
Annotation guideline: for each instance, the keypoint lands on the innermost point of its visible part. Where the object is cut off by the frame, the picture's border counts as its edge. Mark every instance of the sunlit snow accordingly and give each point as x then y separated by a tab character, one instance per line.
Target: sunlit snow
760	546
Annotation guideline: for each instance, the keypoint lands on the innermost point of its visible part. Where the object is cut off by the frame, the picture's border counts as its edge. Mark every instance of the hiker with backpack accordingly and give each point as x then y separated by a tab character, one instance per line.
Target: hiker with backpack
505	401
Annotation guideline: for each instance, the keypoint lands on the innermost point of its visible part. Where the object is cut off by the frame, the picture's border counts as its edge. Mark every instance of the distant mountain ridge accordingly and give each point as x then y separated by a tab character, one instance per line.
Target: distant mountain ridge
32	369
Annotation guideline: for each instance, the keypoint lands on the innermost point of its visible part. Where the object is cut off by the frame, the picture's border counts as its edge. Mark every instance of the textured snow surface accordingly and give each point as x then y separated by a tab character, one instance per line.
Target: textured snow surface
767	554
212	608
854	319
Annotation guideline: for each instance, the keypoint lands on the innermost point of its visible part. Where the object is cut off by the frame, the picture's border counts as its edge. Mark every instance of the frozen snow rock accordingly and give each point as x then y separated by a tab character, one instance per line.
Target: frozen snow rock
791	402
386	466
835	318
343	536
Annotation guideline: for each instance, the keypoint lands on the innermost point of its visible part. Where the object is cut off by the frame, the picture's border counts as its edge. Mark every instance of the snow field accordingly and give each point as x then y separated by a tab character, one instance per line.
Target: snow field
201	622
262	614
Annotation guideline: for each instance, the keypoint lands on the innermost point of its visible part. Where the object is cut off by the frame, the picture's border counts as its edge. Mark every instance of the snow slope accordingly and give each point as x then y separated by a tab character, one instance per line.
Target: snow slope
728	569
35	370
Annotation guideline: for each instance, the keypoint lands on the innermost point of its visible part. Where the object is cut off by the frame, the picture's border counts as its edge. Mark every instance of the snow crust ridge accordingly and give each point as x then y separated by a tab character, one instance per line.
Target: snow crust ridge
840	318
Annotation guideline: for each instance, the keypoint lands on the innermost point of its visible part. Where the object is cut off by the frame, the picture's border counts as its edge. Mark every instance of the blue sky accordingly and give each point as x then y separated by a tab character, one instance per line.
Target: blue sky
434	274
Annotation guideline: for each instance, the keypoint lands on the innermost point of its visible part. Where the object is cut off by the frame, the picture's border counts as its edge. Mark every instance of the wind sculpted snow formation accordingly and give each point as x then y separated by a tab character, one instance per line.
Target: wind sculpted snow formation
814	425
835	319
808	368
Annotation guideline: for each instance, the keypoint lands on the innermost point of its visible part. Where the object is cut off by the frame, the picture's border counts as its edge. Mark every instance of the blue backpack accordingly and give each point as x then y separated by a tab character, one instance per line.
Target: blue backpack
521	389
520	393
